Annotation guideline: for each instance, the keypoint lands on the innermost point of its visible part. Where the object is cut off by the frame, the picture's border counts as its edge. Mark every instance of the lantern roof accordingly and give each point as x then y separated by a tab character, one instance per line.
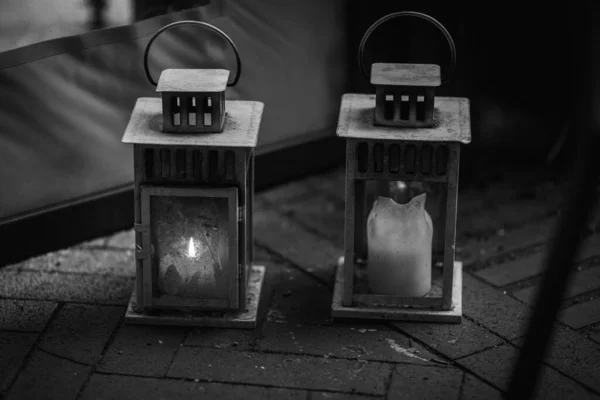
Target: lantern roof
451	118
405	74
193	80
242	122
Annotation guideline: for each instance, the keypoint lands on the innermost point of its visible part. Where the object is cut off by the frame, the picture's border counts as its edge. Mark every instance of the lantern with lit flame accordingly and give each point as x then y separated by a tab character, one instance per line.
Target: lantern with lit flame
402	158
193	168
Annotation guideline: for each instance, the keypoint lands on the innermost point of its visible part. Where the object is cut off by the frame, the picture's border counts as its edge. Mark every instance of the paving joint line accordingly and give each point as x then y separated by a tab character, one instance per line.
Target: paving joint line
546	364
109	341
451	362
482	350
43	350
233	383
178	349
432	364
481	325
32	350
430	348
461	388
388	383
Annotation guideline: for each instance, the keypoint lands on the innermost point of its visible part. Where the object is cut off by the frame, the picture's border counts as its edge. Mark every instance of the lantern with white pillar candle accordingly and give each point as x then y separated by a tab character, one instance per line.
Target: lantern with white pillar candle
402	164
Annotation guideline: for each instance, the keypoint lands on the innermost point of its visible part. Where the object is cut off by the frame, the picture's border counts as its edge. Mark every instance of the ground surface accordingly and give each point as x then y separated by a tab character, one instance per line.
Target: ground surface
62	333
61	315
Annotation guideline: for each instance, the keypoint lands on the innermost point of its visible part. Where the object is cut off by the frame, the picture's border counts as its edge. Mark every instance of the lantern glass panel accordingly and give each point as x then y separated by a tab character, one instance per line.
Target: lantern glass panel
190	246
397	245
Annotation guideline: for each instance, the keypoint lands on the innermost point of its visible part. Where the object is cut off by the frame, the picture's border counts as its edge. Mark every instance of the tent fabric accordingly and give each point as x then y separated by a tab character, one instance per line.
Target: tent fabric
65	103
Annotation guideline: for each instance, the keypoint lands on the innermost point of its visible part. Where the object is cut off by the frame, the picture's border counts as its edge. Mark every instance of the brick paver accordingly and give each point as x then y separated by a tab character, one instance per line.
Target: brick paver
595	337
80	332
291	371
582	314
514	271
142	350
474	388
581	282
475	199
298	351
241	339
286	192
493	309
589	248
284	236
574	355
25	315
332	183
299	299
103	387
365	342
49	377
472	251
495	366
509	214
421	382
14	347
452	340
321	213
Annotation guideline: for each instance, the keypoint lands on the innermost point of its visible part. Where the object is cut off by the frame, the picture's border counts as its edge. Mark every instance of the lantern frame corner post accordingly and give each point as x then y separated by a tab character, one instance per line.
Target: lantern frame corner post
139	229
450	208
349	224
249	211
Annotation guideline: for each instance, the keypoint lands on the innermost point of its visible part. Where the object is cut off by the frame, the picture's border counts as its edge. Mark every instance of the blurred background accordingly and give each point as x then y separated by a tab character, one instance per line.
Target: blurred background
25	22
512	61
71	70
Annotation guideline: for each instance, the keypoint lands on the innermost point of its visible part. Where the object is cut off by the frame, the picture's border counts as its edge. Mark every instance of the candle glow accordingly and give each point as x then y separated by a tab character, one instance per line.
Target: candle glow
191	248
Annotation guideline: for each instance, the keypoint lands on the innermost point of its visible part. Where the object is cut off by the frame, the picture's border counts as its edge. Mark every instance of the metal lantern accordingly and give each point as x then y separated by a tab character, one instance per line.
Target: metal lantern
402	163
193	168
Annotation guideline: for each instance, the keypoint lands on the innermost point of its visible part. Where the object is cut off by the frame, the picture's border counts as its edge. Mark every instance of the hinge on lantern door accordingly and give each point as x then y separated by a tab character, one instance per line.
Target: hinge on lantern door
241	214
140	227
140	252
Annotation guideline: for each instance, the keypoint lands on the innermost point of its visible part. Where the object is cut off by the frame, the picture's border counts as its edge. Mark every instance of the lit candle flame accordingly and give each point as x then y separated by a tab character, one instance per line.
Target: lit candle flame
191	248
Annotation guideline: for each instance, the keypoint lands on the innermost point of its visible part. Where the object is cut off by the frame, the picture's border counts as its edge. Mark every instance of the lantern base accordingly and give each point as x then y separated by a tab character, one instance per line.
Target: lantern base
237	319
338	310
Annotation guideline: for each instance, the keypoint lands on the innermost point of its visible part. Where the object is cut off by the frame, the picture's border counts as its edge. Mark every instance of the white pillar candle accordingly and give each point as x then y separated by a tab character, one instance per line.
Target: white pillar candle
399	238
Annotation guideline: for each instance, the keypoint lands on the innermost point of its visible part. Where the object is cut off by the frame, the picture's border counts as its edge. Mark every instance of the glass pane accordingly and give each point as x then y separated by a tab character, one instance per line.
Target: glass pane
399	238
190	246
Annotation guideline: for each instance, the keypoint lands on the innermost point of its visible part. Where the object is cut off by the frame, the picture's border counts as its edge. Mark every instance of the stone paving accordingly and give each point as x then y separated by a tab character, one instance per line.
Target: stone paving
62	333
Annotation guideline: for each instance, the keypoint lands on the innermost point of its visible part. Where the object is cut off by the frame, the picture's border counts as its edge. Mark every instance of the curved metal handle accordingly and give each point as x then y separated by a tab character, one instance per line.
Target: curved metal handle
426	17
204	24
